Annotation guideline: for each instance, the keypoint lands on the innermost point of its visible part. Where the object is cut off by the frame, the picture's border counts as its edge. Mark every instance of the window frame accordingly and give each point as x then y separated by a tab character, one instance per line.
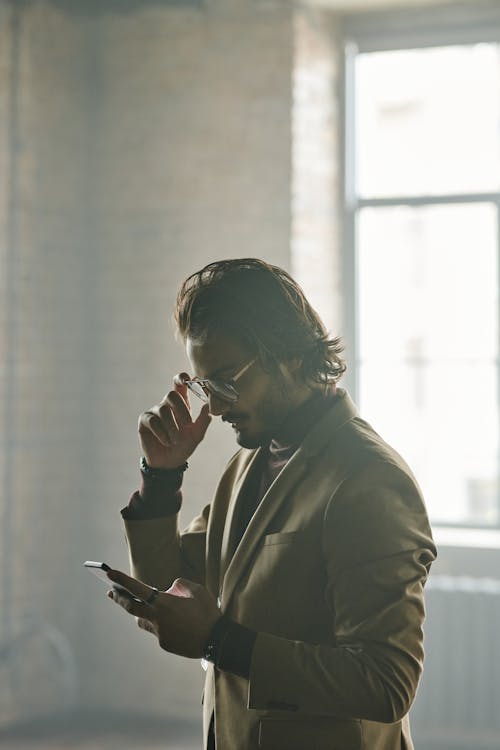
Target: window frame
398	30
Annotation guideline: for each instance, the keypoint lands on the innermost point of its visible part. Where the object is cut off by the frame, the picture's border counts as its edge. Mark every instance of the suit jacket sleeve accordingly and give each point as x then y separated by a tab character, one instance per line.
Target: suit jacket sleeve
159	553
377	549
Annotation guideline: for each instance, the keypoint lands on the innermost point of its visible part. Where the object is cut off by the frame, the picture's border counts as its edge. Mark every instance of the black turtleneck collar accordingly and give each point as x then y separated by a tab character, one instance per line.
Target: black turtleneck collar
301	420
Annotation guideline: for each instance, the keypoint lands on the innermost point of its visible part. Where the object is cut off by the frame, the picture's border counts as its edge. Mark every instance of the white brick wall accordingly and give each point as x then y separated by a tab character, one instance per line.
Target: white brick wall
151	141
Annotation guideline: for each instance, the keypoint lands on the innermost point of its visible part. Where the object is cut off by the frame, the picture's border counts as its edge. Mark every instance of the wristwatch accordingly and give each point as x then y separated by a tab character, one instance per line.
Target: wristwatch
213	647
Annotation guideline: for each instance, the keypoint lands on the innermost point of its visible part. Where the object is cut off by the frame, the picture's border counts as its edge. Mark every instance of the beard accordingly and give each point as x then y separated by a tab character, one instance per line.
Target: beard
258	428
253	441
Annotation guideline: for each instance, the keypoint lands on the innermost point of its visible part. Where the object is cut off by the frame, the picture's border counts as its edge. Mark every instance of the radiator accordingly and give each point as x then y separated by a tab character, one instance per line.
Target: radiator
458	701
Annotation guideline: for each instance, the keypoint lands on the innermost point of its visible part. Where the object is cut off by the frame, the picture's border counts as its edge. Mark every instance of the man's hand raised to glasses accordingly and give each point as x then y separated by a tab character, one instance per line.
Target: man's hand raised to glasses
167	431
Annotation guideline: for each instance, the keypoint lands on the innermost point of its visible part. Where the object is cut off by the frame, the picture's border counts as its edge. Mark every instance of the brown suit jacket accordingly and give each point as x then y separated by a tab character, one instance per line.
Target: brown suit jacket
330	572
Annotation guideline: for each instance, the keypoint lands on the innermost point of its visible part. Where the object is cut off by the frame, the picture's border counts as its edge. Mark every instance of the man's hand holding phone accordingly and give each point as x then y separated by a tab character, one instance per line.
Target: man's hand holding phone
181	617
167	431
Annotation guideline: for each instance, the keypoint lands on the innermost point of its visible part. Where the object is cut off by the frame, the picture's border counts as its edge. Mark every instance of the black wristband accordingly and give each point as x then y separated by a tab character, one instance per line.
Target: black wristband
216	638
229	647
159	474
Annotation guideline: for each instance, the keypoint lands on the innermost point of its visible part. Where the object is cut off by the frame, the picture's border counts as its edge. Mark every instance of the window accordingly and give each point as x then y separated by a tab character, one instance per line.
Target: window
422	182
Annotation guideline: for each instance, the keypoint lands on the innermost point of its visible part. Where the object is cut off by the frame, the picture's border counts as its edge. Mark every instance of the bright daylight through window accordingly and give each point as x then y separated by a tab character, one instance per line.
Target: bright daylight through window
427	197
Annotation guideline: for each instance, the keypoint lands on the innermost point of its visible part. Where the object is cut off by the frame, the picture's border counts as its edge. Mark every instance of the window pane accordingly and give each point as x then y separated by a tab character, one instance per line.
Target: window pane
428	345
428	121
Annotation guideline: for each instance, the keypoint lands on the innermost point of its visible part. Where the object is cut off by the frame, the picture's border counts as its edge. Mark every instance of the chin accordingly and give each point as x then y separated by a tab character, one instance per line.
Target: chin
247	440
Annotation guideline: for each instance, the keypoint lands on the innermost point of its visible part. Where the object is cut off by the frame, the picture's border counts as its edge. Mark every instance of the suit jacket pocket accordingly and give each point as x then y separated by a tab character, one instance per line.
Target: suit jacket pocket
283	537
318	733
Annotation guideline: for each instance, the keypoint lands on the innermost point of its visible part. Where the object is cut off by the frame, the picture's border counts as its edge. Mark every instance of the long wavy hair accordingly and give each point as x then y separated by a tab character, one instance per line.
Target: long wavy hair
263	308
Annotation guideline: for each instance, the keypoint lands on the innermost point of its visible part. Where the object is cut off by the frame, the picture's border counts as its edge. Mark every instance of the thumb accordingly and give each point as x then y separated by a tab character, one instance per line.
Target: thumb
183	587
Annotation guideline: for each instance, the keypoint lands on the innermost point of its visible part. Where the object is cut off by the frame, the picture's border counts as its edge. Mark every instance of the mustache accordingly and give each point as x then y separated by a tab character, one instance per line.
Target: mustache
233	417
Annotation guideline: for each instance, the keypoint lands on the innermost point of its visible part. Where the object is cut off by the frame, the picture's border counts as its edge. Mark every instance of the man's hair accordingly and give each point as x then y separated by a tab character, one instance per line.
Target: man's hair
263	308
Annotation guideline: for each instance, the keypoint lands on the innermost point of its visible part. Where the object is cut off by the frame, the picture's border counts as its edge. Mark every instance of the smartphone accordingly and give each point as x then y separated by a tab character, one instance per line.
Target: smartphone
100	569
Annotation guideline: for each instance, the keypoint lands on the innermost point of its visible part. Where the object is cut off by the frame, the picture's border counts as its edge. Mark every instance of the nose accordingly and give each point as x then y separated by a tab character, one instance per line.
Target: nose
217	406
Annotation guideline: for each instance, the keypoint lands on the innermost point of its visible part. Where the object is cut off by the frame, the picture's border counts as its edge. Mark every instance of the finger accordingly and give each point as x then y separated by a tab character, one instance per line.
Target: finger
136	588
179	408
129	604
168	423
149	422
146	625
180	386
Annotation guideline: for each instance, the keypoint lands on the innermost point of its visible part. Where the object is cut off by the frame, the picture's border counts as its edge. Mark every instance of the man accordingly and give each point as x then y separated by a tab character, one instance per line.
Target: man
301	583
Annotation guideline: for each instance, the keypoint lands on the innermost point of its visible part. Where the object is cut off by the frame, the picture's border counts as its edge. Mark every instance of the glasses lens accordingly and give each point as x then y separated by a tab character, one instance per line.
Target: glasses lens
197	389
222	390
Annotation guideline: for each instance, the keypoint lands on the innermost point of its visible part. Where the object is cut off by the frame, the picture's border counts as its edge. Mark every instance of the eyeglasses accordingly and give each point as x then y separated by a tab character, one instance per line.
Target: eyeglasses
203	387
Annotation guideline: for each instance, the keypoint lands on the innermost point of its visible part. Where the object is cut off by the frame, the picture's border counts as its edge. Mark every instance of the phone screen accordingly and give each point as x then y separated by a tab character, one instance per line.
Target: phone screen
100	569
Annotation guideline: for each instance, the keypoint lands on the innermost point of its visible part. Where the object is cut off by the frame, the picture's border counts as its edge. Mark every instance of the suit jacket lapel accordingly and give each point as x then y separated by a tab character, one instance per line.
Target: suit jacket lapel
231	516
231	569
